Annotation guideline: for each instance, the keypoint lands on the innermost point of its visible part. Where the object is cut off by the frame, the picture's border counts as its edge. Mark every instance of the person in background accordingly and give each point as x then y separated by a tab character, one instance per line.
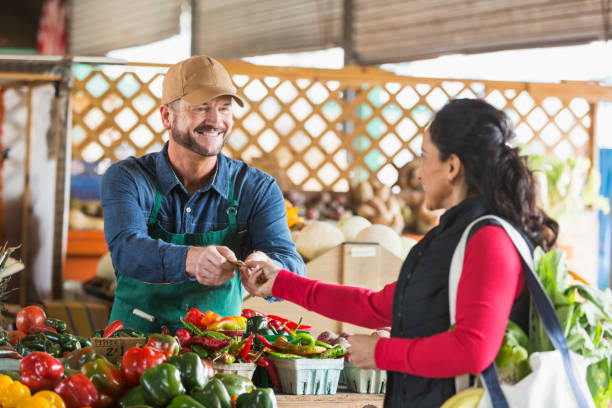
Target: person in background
470	170
172	219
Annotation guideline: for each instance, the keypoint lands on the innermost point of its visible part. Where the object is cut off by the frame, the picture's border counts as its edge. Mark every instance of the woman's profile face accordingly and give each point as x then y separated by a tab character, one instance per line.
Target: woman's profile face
433	174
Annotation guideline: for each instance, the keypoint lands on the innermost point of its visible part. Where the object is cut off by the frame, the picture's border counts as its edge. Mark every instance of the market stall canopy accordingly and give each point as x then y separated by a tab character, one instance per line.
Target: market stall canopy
97	27
380	31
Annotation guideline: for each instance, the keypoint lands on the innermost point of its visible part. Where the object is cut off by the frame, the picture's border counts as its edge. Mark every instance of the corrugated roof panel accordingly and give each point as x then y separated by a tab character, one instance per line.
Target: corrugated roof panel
393	30
239	28
97	27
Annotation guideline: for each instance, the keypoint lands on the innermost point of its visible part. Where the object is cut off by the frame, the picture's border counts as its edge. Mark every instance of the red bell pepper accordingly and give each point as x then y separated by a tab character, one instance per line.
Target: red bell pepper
107	379
111	328
194	316
40	371
163	343
209	318
136	360
229	323
77	391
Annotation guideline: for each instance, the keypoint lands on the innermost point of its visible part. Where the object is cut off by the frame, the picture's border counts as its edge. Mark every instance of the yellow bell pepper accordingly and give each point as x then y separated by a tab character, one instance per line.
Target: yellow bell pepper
14	393
55	401
33	402
5	381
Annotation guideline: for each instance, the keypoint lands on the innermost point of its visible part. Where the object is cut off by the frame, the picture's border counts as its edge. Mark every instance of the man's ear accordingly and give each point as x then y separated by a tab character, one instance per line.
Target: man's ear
165	113
455	168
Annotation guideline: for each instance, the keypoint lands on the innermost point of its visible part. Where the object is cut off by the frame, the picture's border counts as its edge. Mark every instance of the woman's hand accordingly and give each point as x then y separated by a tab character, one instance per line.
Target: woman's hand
361	351
259	275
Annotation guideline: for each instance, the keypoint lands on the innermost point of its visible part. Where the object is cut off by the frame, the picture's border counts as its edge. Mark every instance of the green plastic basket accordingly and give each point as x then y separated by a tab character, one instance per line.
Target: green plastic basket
364	381
308	376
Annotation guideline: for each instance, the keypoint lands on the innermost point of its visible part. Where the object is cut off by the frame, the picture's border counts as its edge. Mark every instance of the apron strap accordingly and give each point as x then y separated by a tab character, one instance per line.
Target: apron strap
232	208
156	207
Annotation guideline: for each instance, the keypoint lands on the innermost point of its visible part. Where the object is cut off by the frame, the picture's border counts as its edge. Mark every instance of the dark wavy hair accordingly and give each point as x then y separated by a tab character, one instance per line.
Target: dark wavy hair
478	134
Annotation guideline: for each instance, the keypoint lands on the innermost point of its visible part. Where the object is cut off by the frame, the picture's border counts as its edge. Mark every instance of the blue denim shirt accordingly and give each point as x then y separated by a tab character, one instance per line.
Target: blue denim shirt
128	195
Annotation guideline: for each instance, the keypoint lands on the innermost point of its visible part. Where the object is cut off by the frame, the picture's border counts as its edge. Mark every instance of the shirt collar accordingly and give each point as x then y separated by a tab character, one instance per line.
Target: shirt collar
168	180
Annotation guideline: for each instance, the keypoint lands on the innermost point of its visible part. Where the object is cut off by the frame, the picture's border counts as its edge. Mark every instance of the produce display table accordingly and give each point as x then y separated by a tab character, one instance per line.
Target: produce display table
340	400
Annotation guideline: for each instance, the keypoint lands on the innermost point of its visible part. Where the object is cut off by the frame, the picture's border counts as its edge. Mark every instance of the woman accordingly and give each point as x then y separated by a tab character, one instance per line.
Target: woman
469	170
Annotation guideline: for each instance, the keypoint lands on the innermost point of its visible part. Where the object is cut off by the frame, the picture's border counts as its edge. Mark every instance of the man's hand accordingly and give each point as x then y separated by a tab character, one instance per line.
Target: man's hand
259	274
361	351
209	264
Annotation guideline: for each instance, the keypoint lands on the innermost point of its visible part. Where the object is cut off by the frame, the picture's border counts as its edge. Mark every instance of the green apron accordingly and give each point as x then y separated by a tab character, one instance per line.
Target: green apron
147	306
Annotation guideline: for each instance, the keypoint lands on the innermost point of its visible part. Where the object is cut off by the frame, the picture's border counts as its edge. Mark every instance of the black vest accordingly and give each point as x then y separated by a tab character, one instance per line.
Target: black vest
420	303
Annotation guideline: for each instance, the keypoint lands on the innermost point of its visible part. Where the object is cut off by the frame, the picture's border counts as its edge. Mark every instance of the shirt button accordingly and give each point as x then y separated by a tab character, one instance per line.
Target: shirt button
188	209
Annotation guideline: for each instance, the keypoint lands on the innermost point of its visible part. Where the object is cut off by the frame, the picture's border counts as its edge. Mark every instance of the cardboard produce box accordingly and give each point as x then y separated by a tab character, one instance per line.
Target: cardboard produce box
82	318
367	265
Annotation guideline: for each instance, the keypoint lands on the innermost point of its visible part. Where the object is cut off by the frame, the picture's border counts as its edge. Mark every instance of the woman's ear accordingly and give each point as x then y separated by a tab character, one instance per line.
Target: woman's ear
455	169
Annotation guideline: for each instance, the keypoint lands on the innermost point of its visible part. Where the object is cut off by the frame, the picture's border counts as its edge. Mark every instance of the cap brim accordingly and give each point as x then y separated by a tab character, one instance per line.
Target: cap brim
199	96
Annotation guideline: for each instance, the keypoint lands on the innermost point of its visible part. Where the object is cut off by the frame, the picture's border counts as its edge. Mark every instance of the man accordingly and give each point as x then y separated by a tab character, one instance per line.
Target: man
172	219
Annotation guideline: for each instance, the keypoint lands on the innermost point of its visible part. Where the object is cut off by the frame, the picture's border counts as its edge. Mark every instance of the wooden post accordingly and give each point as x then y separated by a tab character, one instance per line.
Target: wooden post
25	212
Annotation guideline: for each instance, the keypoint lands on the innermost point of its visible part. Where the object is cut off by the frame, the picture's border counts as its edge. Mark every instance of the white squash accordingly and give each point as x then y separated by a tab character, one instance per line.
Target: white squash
352	226
316	238
384	236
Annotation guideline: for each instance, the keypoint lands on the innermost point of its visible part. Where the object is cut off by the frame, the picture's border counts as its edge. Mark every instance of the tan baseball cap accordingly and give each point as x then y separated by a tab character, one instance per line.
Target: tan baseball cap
197	80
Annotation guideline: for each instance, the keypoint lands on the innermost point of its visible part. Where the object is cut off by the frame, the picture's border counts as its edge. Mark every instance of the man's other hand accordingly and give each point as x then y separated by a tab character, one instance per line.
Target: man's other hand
209	264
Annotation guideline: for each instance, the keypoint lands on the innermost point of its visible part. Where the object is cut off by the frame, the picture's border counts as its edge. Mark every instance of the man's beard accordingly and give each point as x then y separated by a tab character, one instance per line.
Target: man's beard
189	141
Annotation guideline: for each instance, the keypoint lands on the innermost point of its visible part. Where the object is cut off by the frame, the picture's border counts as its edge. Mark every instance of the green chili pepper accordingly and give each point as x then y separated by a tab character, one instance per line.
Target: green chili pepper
57	324
322	344
201	351
337	351
282	355
54	337
3	338
97	333
84	341
303	338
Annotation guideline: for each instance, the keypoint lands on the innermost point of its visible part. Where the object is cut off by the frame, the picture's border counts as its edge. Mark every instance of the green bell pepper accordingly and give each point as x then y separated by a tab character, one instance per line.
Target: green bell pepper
259	398
193	372
235	384
255	324
132	397
160	384
184	401
78	358
107	379
213	395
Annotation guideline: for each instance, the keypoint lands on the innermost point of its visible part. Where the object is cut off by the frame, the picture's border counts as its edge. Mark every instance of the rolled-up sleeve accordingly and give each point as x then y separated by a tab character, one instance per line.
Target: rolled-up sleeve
269	231
133	252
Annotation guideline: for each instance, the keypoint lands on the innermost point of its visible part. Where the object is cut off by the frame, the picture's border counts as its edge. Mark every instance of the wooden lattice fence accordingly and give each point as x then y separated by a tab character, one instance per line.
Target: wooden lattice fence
323	129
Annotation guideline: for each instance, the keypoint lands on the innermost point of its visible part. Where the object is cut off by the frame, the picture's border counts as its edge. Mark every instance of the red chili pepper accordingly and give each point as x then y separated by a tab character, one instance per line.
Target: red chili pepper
247	347
40	371
111	328
164	330
264	341
271	370
184	350
274	324
207	342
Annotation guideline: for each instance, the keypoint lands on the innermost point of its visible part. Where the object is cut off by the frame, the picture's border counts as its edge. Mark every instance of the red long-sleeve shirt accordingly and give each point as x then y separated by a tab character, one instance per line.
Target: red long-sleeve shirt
490	281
